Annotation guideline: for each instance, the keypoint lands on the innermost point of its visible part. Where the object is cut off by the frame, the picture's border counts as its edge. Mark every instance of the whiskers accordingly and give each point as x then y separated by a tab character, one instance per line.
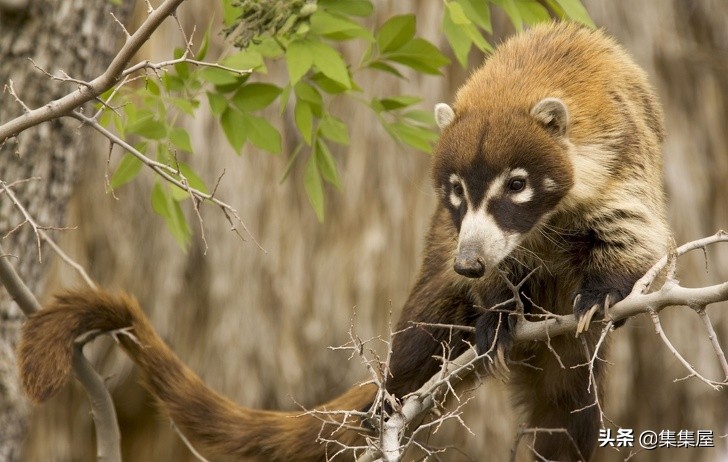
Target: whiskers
527	254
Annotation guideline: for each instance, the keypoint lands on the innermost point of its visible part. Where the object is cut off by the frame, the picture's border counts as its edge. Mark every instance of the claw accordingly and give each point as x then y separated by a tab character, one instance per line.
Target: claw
501	361
576	300
585	320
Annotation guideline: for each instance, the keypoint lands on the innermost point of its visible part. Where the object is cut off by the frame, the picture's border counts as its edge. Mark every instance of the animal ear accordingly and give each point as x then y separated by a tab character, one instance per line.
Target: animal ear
444	115
552	114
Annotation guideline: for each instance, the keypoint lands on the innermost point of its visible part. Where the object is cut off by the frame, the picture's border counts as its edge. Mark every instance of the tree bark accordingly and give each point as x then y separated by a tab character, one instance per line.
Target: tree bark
79	38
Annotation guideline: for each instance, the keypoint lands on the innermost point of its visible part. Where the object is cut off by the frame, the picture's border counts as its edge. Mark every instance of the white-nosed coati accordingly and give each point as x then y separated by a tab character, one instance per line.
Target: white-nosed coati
549	159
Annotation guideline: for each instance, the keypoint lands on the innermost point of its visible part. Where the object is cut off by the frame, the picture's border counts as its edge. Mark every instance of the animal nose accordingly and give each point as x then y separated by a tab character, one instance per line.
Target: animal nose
469	264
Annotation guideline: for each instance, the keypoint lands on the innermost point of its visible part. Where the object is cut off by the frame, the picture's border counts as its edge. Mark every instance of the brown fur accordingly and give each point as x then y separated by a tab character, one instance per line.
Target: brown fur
210	421
593	233
598	229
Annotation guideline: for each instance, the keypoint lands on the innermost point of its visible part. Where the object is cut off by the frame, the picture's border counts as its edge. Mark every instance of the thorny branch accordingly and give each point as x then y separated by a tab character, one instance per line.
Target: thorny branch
406	419
40	231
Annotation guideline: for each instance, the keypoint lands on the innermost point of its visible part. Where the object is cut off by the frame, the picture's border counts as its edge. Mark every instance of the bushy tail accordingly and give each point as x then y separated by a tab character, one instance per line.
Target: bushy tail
206	418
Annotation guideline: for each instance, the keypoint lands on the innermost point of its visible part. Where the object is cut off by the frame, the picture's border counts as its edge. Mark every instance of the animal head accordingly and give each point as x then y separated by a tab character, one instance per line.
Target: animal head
500	173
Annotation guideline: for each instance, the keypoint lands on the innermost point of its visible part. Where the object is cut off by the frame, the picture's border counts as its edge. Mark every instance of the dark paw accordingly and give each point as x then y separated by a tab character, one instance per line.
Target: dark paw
494	339
589	303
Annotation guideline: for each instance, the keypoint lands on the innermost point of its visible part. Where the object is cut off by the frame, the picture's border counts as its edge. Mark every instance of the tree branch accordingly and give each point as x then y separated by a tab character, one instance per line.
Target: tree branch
417	404
102	408
167	173
85	93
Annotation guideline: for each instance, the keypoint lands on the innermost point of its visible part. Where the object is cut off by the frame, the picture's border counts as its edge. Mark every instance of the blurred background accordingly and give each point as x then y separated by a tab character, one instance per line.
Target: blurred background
256	325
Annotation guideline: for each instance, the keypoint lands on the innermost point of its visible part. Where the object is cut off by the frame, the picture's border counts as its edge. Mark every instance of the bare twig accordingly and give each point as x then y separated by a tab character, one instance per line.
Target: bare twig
183	59
638	301
10	89
693	372
42	235
713	340
187	442
66	104
168	173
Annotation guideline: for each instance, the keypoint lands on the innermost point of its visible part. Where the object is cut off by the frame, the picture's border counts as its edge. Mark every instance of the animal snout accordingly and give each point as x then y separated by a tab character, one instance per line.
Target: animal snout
469	263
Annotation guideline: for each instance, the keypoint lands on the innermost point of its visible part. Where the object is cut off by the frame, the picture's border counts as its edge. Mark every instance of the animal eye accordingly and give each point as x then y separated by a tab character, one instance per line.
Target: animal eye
458	189
517	184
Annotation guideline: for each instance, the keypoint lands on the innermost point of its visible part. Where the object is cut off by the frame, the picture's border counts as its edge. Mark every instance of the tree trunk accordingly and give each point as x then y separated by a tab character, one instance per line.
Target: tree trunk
79	38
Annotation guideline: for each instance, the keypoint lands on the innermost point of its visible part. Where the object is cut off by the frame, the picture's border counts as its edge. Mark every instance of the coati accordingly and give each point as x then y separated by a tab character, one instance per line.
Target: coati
549	161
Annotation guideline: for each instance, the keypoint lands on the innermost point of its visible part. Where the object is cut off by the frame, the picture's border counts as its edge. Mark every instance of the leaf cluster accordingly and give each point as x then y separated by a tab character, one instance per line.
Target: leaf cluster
305	36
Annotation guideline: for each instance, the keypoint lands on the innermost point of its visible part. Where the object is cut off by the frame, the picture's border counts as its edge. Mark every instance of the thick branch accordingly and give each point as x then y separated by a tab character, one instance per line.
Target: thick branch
85	93
671	293
102	408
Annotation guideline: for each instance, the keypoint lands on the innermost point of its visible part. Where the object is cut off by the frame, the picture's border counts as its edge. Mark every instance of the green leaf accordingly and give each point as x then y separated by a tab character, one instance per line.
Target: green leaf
457	38
299	59
512	11
360	8
151	87
326	84
326	164
291	161
337	27
418	115
304	119
187	106
218	103
398	102
262	134
172	82
477	38
268	47
202	51
127	169
457	15
148	128
170	210
314	187
218	76
330	62
233	125
395	32
420	55
193	180
417	137
230	11
334	129
180	138
479	12
308	93
285	96
183	69
573	9
255	96
533	12
382	66
245	60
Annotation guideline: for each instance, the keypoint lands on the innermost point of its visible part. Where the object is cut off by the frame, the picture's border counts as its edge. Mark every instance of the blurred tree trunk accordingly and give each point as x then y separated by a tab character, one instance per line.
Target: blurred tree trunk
77	37
267	318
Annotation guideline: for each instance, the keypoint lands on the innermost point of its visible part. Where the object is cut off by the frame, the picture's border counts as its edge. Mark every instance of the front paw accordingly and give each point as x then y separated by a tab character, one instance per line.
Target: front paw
493	338
594	301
